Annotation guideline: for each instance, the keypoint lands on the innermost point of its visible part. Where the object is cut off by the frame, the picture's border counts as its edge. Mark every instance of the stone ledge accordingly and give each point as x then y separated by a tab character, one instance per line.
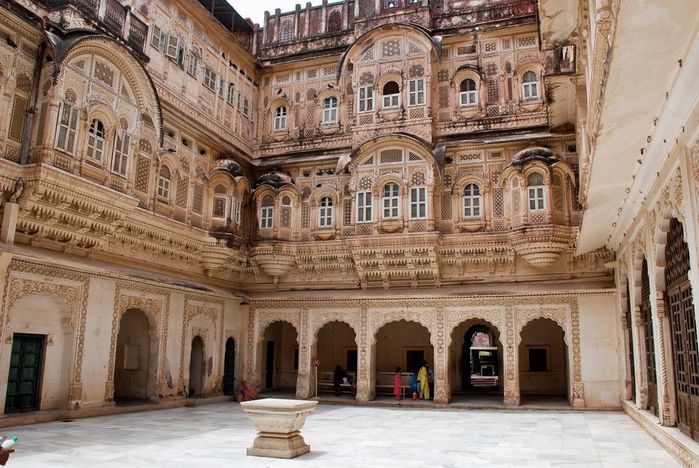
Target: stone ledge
36	417
679	445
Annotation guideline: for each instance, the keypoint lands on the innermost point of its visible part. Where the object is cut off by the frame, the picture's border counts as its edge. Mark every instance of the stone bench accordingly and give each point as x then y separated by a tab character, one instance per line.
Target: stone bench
325	382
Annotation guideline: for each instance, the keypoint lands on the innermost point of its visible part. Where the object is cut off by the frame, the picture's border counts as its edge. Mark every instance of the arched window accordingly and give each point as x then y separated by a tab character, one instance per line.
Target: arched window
468	93
95	140
267	212
472	201
535	188
391	201
164	183
325	212
280	118
330	110
120	161
286	31
391	95
530	85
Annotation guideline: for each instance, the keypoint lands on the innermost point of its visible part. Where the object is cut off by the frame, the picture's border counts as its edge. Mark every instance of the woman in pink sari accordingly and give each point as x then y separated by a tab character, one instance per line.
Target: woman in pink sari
397	387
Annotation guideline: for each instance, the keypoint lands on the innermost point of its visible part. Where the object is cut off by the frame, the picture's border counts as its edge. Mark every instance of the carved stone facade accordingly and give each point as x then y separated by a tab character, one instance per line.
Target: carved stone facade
353	163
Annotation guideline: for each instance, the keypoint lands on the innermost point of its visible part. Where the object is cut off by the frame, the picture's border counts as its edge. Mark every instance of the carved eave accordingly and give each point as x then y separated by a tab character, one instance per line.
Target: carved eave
397	261
70	212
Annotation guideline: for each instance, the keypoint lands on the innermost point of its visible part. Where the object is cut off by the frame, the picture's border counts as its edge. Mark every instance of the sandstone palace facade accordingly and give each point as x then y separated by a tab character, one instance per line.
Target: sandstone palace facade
190	200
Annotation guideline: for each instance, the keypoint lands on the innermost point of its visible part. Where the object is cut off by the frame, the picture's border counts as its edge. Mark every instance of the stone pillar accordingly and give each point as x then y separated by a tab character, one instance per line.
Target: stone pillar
303	379
578	390
667	411
9	222
441	377
365	389
510	360
639	350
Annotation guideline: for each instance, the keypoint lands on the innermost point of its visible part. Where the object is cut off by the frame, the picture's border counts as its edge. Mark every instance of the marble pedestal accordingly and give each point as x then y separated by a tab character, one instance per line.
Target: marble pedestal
278	423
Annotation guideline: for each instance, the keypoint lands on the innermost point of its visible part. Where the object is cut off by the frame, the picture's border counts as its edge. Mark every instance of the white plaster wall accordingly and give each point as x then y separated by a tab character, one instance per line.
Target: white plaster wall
171	371
599	348
98	330
43	315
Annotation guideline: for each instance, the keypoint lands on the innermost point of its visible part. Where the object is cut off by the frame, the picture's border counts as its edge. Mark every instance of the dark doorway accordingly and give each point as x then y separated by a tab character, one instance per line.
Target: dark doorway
269	378
24	380
196	368
351	360
414	359
229	368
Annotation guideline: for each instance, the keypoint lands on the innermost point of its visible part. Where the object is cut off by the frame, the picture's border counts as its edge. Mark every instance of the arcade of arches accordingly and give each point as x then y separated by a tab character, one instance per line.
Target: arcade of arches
514	350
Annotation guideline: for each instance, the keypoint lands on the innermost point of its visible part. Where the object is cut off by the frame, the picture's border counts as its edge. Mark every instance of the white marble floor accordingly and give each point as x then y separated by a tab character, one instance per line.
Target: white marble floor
345	436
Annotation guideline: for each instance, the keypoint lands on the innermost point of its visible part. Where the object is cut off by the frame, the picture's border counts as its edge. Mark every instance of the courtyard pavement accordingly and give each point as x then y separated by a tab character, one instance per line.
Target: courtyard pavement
345	436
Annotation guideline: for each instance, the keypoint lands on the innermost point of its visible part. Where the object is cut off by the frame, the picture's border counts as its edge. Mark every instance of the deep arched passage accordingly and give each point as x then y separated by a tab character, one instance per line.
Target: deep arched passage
401	344
229	368
475	360
196	367
543	360
135	365
279	357
335	345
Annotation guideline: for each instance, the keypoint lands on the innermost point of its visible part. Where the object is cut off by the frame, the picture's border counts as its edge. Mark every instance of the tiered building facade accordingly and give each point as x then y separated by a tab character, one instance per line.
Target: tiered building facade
191	200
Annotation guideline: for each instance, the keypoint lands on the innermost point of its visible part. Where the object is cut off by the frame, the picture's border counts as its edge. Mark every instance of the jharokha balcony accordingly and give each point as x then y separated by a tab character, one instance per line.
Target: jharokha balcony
109	16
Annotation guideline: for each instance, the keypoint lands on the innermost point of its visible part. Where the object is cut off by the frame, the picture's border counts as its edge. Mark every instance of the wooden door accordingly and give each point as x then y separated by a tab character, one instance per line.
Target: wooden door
680	306
24	379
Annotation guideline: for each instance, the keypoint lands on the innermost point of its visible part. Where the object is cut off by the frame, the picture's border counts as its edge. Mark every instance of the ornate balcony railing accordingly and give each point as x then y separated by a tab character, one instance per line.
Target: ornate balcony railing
111	15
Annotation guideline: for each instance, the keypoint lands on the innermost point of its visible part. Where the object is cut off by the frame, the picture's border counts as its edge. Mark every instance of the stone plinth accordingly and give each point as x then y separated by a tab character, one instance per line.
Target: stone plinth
278	423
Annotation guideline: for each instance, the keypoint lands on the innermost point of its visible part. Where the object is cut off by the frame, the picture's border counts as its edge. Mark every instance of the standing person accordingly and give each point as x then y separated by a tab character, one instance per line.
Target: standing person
423	378
397	385
414	385
430	378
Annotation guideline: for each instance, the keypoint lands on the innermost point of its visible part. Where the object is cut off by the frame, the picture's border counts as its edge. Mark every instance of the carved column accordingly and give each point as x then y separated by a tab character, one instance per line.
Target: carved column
639	350
665	370
578	393
441	377
365	389
303	380
510	358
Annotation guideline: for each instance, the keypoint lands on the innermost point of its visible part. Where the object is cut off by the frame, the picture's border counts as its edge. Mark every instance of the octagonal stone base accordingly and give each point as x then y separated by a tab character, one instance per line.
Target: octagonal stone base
278	423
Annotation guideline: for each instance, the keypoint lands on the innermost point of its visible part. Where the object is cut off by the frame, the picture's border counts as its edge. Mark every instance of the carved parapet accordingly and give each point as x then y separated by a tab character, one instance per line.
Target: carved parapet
540	246
275	259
